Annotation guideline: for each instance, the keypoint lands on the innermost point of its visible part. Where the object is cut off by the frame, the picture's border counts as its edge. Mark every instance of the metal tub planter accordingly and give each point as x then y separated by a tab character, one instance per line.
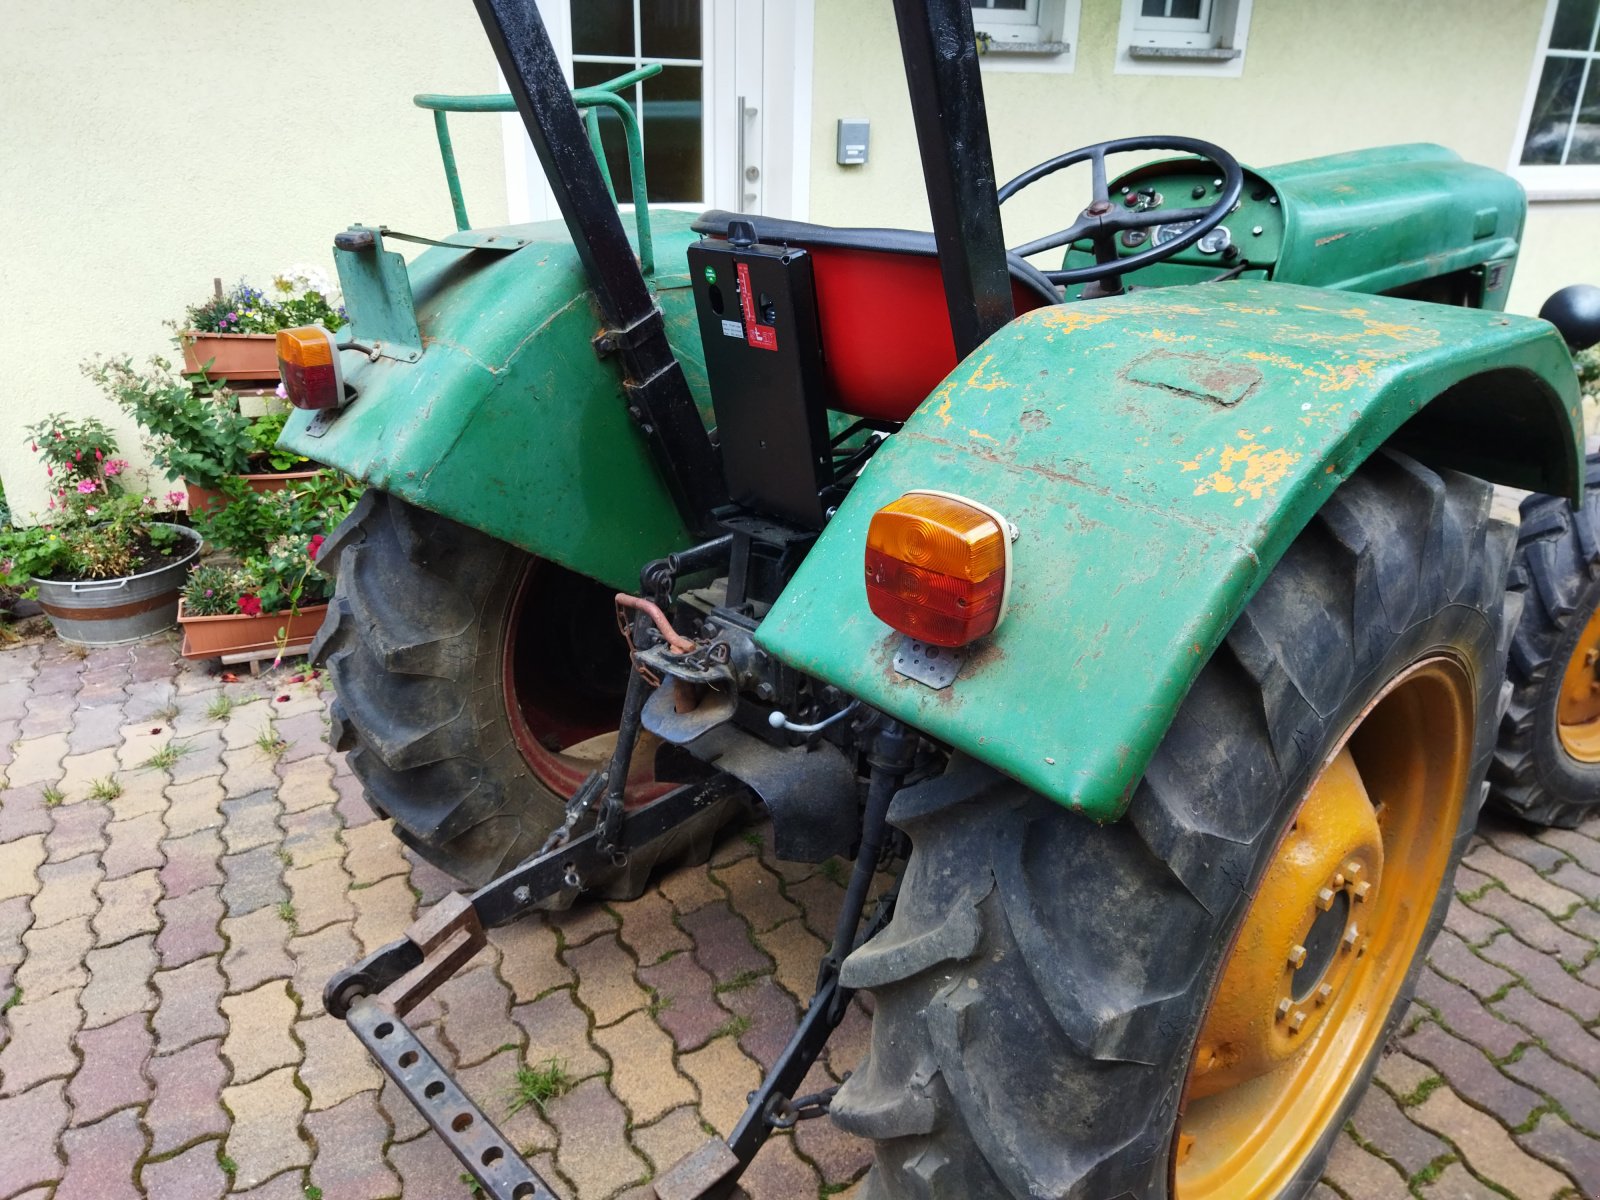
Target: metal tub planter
110	612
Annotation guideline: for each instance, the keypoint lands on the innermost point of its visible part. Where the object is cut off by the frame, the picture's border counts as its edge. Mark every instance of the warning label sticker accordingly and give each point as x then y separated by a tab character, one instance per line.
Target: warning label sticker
763	337
733	329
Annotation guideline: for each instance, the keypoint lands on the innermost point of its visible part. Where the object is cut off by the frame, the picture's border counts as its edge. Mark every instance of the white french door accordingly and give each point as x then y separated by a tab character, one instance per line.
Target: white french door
726	124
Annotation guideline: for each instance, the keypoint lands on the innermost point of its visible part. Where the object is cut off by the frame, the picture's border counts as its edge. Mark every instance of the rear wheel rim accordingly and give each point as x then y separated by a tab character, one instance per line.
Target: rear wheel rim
560	746
1578	710
1328	940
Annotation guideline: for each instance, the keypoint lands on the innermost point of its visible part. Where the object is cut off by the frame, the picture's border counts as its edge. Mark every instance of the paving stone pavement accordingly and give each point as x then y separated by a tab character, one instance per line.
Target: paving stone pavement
162	952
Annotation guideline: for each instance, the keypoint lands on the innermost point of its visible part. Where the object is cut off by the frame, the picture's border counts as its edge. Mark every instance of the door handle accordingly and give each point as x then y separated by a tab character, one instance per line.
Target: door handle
747	173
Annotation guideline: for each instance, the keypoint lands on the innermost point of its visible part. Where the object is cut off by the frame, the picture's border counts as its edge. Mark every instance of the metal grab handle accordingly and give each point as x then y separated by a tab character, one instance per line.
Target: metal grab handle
108	585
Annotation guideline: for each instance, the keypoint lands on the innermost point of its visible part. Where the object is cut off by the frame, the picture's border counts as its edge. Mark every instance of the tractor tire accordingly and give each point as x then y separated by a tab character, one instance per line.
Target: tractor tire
1546	768
1070	1010
468	736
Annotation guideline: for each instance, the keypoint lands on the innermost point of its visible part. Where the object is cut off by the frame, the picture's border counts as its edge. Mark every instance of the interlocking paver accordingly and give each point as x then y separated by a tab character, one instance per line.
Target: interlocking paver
1553	1140
309	783
264	1138
1558	1032
528	960
725	1076
23	812
55	958
112	1073
189	926
1453	959
642	1072
606	986
316	957
339	1171
20	865
193	806
1533	926
594	1152
38	758
256	949
246	771
193	1175
100	1159
1357	1173
477	1014
252	880
494	1083
77	829
425	1167
312	836
1471	1074
1379	1121
128	907
556	1028
722	943
1488	1148
373	853
25	1161
143	795
336	1065
683	1001
760	897
119	981
1464	1014
187	1100
41	1042
1577	1094
1545	976
193	861
250	821
648	929
383	911
258	1037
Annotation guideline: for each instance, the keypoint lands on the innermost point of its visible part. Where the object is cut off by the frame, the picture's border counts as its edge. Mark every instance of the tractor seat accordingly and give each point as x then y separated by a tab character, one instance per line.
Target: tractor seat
881	310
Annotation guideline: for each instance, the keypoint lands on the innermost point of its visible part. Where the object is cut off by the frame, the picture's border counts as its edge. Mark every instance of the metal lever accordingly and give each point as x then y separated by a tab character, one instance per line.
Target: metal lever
779	721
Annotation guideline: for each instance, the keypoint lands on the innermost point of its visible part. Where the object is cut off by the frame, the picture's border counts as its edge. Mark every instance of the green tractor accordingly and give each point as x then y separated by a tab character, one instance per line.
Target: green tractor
1144	613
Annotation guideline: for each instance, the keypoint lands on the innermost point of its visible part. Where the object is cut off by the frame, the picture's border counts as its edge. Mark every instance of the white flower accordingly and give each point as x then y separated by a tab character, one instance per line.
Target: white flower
294	282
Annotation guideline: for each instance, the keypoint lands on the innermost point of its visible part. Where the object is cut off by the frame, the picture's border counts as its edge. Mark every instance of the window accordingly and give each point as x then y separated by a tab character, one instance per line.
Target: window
1183	37
1559	153
613	36
1026	35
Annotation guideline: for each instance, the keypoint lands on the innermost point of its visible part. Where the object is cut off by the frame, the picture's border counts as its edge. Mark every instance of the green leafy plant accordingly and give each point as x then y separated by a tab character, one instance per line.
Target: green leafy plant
299	295
219	707
537	1085
113	538
80	458
269	743
105	789
193	431
53	797
264	433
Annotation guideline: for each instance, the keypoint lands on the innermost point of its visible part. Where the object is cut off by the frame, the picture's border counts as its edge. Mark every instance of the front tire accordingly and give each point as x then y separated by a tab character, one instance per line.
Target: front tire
1547	765
1060	1006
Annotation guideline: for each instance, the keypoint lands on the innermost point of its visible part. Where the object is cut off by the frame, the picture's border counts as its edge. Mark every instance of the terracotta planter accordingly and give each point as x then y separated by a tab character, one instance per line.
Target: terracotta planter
205	498
213	637
232	355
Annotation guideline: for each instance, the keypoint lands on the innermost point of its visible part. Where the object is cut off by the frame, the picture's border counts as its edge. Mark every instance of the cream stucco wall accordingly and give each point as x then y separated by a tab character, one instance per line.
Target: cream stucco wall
1318	78
147	146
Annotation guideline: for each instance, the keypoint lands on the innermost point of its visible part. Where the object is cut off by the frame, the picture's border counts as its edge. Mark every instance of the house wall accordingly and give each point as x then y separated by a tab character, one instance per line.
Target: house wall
1318	78
148	146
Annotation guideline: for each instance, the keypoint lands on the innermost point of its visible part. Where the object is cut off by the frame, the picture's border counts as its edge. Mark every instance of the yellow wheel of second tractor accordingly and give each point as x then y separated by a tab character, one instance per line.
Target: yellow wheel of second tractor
1187	1004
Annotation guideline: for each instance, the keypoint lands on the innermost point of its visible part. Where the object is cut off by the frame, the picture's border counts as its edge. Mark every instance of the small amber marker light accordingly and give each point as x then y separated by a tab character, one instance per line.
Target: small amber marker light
938	566
308	360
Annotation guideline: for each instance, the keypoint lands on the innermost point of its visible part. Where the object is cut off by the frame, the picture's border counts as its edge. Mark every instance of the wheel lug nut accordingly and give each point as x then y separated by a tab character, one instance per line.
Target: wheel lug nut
1324	899
1283	1008
1297	956
1361	889
1324	993
1298	1021
1353	869
1351	937
1338	879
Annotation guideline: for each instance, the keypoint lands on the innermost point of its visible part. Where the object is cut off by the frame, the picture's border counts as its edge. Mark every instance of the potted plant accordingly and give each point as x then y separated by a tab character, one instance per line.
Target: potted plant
230	336
194	431
268	594
105	570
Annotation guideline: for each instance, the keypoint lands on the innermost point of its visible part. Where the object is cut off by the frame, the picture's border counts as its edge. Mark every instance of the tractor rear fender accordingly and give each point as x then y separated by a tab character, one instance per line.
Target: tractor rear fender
1158	452
509	422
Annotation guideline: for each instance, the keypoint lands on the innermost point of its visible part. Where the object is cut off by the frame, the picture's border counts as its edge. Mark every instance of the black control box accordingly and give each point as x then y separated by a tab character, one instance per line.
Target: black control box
758	324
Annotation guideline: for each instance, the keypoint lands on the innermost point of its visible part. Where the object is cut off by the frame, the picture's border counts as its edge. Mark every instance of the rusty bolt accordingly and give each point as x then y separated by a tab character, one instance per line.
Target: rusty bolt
1361	889
1351	937
1324	993
1297	956
1298	1021
1324	899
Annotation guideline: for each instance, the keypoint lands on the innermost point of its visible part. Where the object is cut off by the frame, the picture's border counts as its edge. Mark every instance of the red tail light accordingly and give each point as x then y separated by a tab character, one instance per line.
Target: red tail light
937	567
308	360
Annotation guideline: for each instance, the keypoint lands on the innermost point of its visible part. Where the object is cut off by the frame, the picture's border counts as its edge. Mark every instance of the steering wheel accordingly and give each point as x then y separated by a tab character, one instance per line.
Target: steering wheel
1104	219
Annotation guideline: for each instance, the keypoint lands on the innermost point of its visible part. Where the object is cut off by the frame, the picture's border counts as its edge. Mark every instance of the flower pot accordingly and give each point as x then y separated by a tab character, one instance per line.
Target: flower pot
213	637
232	355
110	612
204	498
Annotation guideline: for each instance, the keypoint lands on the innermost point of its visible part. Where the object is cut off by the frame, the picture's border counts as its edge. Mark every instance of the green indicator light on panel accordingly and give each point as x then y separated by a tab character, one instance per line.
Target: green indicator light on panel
711	274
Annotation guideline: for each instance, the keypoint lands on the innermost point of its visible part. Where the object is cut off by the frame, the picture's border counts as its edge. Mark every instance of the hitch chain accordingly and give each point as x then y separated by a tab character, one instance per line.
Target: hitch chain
783	1113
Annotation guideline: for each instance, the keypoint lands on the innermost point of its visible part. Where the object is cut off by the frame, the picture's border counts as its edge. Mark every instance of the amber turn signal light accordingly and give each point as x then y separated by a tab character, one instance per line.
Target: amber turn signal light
937	567
308	360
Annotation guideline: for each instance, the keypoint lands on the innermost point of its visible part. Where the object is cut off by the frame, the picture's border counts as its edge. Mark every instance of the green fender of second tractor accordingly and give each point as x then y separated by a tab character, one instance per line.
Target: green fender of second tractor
1158	452
509	421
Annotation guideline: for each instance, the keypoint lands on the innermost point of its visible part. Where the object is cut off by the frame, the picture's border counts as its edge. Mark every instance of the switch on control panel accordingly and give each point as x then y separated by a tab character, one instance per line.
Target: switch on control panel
854	134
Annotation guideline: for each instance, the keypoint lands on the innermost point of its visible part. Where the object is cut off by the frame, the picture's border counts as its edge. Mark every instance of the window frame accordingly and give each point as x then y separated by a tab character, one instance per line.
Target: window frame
1179	46
1547	181
1042	38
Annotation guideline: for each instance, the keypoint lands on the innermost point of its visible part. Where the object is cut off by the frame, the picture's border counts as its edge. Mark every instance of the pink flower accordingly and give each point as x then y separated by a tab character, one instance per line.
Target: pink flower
149	500
90	511
97	455
77	455
50	472
250	605
85	486
316	545
174	499
115	466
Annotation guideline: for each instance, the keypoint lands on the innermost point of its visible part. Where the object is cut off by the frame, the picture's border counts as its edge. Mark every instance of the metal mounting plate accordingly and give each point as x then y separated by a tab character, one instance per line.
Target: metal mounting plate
935	666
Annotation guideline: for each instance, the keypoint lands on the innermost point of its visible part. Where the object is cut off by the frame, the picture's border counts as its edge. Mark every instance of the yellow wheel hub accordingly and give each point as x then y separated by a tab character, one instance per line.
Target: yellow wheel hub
1328	938
1578	710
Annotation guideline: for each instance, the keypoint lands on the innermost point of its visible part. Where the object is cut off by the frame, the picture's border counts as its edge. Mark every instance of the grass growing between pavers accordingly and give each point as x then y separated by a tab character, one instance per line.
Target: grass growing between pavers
536	1085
